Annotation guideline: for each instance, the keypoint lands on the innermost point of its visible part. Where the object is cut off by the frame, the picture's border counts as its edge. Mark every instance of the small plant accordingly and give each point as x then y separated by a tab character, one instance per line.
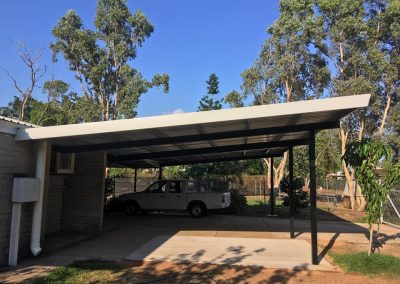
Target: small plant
365	156
238	203
300	196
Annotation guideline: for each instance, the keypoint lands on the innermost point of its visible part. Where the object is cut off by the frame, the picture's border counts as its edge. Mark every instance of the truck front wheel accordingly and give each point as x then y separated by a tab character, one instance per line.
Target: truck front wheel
197	210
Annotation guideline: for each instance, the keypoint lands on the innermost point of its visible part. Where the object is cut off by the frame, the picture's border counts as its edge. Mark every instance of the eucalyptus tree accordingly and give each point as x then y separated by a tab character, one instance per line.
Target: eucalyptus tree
101	58
234	99
291	65
362	40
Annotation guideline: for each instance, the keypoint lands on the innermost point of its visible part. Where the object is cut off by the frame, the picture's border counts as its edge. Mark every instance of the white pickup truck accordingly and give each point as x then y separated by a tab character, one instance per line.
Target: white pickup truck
174	195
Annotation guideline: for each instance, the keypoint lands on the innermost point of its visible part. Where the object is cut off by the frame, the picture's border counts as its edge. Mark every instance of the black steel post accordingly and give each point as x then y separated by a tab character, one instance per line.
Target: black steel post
134	182
160	173
313	200
291	193
271	197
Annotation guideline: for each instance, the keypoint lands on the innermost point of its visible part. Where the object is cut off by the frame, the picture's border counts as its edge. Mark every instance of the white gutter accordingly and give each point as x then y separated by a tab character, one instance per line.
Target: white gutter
37	209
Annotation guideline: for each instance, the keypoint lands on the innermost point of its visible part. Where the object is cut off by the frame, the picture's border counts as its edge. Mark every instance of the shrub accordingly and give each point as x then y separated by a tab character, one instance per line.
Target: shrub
300	196
238	204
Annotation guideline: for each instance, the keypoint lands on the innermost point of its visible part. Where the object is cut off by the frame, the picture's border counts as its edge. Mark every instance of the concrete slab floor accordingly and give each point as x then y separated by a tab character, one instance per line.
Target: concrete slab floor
124	234
268	253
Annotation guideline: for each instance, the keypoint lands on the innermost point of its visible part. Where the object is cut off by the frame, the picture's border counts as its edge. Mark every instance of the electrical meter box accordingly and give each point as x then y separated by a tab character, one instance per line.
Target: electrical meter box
25	189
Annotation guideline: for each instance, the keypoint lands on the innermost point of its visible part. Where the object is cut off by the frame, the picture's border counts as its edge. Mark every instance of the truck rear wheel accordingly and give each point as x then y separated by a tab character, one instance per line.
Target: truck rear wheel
197	210
131	208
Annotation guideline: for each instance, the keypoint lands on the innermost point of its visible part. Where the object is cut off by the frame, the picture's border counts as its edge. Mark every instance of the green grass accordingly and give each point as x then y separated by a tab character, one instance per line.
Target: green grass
256	202
375	264
82	272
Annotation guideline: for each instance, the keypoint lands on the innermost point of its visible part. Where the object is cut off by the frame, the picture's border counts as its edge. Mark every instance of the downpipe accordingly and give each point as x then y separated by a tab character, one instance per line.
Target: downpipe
38	207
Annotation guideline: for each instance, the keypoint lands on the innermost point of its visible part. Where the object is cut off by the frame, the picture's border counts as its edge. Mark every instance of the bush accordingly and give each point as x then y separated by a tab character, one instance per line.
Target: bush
238	204
301	197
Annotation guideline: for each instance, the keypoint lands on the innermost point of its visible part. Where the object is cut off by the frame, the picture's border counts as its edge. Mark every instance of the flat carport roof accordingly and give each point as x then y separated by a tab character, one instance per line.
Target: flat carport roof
199	137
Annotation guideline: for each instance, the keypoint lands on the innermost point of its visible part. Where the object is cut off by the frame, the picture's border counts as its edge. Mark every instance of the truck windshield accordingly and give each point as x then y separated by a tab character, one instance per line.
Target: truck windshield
157	187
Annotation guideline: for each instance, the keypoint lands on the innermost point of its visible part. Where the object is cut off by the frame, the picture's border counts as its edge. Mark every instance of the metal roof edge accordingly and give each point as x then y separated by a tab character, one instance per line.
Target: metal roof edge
182	119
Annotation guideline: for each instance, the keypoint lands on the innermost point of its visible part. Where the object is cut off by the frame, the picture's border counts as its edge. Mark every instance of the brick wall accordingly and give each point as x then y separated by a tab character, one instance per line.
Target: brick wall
82	204
72	202
54	203
15	158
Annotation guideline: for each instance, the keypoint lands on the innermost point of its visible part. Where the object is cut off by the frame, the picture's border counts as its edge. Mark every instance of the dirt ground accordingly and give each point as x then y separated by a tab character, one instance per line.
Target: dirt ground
344	247
167	272
327	211
238	274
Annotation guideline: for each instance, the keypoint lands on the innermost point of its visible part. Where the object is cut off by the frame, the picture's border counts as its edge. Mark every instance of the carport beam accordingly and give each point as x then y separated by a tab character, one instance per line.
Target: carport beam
271	196
291	195
313	199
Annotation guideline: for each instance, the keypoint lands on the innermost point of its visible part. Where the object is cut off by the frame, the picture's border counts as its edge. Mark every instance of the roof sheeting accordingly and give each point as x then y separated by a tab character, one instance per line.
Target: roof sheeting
248	132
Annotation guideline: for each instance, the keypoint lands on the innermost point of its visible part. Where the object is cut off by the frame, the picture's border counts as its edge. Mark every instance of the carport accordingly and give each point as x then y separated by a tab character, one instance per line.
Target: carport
253	132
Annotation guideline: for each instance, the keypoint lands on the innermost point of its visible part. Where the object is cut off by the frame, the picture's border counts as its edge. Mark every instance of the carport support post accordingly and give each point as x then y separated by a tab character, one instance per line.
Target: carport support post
313	199
291	194
134	181
271	196
160	173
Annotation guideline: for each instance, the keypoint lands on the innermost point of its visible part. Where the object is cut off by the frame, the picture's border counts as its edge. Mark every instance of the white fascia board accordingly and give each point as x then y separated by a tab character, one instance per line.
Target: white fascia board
8	128
192	118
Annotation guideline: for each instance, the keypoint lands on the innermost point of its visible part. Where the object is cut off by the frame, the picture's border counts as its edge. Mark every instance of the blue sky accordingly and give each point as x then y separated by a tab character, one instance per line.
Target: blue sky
191	40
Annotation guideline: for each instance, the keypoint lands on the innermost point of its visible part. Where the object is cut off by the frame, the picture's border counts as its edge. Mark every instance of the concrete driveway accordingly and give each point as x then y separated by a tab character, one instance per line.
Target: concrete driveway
236	240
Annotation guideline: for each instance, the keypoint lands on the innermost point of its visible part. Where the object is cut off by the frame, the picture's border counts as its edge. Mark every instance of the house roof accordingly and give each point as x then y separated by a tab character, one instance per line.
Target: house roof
185	138
10	125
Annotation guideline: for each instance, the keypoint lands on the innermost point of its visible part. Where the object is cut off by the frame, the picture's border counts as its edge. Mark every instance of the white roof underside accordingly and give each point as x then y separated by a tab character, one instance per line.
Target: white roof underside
189	137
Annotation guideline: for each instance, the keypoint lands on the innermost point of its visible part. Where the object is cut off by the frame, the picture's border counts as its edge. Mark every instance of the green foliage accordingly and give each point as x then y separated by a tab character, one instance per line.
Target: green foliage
62	107
364	48
209	102
254	167
13	108
121	172
234	99
300	196
238	204
374	265
177	172
327	149
366	156
100	58
292	64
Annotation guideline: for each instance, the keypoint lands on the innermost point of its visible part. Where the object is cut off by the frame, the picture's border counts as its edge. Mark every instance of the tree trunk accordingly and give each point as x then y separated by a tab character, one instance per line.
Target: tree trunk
360	198
388	101
307	184
371	233
267	162
280	171
349	178
22	110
